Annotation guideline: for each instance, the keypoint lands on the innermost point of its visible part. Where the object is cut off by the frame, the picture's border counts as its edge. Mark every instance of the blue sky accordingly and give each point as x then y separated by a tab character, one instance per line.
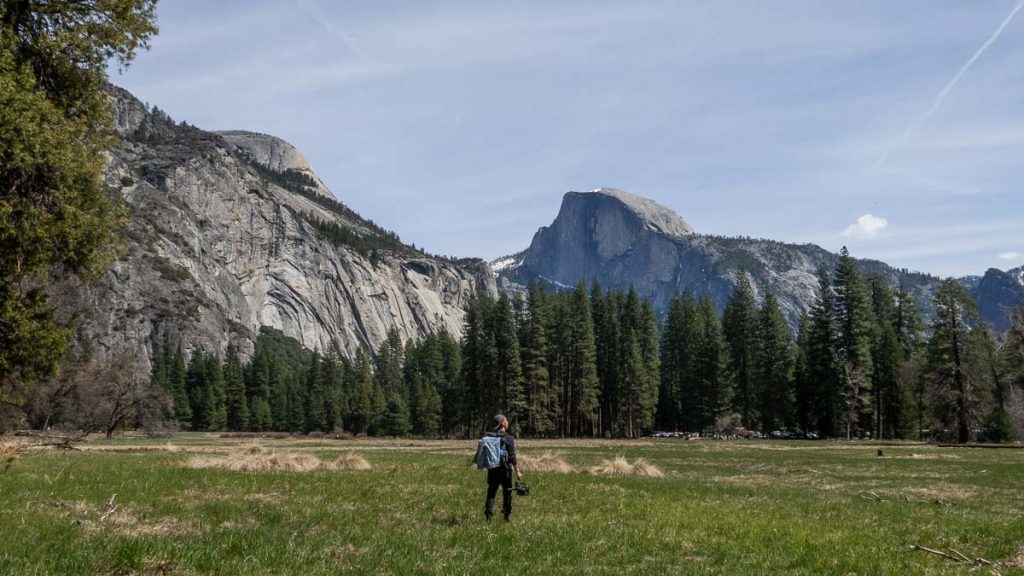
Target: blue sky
460	124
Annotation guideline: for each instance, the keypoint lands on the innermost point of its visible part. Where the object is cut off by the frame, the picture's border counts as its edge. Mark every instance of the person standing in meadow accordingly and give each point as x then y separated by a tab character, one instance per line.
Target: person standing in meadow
497	453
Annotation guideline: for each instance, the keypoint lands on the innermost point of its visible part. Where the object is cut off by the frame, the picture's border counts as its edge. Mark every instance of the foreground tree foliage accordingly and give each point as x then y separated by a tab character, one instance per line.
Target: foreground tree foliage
56	219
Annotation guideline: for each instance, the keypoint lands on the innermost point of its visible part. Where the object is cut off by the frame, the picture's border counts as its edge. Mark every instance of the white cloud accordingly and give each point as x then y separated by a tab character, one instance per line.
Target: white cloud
1011	256
867	227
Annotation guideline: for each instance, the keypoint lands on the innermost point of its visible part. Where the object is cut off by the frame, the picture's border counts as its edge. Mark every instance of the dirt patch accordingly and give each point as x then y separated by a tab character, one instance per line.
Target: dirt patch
622	467
546	462
1017	560
233	525
941	492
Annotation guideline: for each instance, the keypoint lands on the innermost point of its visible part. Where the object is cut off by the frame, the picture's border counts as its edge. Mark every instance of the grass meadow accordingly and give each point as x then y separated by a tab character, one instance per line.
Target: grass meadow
137	506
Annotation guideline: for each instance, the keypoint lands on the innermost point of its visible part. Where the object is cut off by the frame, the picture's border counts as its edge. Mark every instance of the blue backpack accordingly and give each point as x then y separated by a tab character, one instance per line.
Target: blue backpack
490	452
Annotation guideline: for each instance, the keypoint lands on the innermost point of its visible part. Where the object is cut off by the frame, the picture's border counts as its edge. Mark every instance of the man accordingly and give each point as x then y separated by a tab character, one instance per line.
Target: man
502	475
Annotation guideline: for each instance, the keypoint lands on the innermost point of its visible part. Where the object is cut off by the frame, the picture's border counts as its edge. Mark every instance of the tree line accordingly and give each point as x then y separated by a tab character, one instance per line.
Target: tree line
596	362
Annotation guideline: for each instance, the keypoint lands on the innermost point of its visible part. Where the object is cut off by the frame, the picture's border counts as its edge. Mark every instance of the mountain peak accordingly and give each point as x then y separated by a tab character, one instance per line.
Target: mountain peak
274	153
654	215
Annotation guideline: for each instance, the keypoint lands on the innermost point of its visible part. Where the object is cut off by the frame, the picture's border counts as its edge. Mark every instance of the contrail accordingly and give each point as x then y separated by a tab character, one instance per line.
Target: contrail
314	12
949	86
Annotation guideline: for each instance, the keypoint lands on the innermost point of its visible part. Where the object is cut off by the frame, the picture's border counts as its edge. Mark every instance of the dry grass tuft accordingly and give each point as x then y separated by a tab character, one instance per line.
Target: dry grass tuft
642	467
9	451
622	467
257	459
546	462
349	462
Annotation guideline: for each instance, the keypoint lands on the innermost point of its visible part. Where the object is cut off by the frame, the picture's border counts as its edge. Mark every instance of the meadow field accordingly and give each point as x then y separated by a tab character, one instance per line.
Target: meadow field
138	506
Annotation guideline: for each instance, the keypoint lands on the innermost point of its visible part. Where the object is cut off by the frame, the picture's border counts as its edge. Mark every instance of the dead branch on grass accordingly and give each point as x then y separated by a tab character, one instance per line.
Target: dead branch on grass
111	508
953	556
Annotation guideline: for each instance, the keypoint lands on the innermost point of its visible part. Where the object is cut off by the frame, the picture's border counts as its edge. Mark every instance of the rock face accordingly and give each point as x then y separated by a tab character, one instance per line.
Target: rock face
234	231
622	241
997	294
276	154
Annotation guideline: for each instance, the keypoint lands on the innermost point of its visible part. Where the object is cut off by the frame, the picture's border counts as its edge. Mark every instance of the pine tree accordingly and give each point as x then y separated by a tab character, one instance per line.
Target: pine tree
774	363
396	416
536	386
200	399
216	396
296	387
675	400
258	389
740	324
480	395
507	371
888	390
583	390
649	340
805	392
853	319
316	396
823	372
361	402
279	393
948	358
1013	349
332	375
429	411
711	372
236	405
178	381
57	219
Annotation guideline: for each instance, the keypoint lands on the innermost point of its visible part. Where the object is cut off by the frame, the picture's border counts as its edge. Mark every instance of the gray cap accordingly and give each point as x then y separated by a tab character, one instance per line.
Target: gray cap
499	419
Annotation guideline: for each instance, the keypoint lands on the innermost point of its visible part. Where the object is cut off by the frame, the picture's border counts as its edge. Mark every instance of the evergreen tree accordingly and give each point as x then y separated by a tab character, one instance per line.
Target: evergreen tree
540	401
429	411
712	378
582	380
949	356
295	385
675	398
361	383
478	356
57	220
506	373
853	344
740	325
774	363
649	339
258	390
888	390
805	392
236	405
396	416
200	399
178	381
216	396
316	396
332	375
1013	349
822	362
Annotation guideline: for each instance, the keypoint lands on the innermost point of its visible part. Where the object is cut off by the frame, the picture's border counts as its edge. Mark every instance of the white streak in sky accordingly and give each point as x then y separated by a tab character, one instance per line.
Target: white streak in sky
314	12
949	86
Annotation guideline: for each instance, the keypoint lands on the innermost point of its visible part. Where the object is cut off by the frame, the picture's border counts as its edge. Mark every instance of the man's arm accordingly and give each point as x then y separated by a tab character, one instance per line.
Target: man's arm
512	459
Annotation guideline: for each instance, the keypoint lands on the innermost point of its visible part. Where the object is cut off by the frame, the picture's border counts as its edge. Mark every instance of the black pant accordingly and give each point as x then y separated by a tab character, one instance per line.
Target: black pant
500	476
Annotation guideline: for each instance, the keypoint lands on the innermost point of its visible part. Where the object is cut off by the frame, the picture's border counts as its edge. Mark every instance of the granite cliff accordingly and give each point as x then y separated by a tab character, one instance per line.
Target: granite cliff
233	231
623	240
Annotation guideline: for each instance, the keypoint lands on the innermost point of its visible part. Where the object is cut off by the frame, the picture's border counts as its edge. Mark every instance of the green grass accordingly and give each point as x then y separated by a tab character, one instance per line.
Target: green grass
722	508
